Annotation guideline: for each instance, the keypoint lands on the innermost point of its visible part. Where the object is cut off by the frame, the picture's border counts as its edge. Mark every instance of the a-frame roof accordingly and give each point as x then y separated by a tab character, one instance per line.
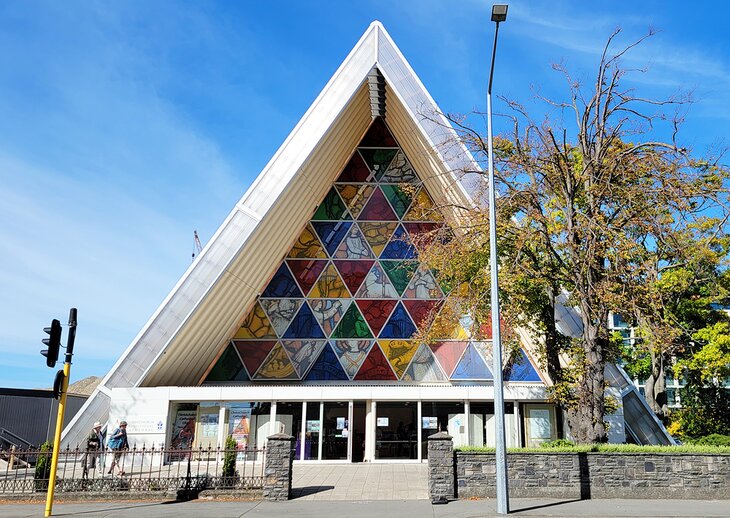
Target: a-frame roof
187	330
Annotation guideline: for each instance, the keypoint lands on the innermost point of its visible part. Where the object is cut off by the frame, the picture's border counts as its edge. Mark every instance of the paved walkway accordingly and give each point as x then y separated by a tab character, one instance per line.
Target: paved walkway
366	481
380	509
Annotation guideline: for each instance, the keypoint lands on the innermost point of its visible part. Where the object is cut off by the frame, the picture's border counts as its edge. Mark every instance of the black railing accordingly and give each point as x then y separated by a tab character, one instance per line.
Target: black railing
136	469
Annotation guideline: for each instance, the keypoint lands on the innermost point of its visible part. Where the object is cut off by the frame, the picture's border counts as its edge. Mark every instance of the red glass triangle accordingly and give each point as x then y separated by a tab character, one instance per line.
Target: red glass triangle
378	135
377	208
419	232
253	354
375	367
448	354
353	272
355	170
306	272
376	312
421	311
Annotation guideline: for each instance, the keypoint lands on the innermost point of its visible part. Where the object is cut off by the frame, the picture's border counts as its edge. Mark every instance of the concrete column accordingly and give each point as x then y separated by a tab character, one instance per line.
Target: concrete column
441	477
278	467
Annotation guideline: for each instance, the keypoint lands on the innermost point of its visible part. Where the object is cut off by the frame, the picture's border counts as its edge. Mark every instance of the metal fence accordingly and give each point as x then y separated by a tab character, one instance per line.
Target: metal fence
136	469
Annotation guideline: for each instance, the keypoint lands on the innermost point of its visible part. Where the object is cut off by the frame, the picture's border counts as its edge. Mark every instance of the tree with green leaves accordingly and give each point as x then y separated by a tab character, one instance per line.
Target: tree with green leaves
593	212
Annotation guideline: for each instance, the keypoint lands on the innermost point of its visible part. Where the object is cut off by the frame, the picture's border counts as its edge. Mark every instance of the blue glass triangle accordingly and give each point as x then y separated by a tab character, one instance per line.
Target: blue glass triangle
304	325
399	324
331	233
327	367
282	285
472	367
521	370
400	246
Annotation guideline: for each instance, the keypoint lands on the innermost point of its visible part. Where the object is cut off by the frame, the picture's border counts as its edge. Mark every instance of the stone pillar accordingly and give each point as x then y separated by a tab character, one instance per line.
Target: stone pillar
278	467
441	468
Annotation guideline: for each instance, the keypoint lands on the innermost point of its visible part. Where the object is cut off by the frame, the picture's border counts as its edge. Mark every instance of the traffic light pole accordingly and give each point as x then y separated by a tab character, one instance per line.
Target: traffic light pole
61	409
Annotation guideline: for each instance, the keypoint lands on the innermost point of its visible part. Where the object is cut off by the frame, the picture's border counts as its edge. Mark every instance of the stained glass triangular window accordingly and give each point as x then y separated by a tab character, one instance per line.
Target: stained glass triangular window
400	246
308	245
329	285
331	234
378	160
277	366
375	367
227	368
377	233
304	325
448	354
253	353
352	325
376	285
302	353
424	367
281	312
399	273
332	208
327	367
355	196
282	285
306	272
398	353
471	367
328	312
376	312
352	354
399	325
256	325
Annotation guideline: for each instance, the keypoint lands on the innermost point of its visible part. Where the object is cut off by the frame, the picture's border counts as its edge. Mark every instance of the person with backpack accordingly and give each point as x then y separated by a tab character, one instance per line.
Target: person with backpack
118	444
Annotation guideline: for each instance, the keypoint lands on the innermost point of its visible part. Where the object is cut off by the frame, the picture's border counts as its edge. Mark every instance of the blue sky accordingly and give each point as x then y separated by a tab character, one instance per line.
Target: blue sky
126	125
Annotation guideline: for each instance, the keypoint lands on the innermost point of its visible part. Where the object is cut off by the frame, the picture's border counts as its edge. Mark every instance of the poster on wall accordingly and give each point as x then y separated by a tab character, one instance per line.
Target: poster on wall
239	427
183	430
313	426
430	423
383	421
209	423
341	423
539	421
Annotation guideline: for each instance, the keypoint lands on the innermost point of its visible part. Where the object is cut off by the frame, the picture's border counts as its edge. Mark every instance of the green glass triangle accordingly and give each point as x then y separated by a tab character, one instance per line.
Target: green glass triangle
352	325
398	198
399	273
228	367
378	160
332	208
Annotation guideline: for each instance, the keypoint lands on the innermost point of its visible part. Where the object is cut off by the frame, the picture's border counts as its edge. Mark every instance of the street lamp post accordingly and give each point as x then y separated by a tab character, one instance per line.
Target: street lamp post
499	14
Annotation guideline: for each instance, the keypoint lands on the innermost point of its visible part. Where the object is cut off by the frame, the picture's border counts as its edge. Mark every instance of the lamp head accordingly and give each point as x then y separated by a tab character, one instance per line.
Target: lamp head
499	12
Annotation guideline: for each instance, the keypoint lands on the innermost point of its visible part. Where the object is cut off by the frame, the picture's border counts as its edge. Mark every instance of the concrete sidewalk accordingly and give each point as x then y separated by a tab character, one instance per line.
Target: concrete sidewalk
381	509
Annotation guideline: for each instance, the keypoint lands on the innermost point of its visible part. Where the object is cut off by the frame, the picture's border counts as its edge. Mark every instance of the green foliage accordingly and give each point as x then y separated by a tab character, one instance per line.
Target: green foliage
42	472
558	443
611	448
704	410
229	459
714	439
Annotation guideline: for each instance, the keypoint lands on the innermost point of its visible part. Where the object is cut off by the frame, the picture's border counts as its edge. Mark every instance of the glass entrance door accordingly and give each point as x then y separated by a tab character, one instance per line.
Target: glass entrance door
336	430
396	435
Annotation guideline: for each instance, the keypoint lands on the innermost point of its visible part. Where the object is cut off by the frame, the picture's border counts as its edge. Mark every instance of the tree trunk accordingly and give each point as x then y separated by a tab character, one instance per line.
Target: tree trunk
552	341
655	389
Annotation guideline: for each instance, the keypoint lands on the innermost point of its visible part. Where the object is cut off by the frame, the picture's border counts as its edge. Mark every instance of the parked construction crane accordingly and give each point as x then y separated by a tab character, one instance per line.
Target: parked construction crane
197	247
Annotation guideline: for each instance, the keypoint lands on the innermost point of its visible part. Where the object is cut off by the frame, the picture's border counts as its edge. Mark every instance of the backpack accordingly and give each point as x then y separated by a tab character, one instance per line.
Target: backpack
115	443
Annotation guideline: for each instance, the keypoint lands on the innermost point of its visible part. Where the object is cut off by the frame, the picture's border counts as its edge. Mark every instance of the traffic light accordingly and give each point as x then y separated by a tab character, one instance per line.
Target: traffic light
53	342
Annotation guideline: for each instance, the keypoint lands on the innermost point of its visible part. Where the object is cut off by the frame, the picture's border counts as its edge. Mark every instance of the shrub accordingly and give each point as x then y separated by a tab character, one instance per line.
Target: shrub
558	443
714	439
229	461
43	467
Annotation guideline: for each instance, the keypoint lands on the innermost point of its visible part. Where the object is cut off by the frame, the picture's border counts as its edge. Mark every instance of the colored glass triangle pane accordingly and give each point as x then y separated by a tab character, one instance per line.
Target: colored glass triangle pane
447	325
377	208
422	312
485	350
423	285
424	367
376	285
354	246
331	234
308	245
377	234
353	272
448	354
399	354
355	171
355	196
256	325
227	368
376	312
253	353
399	171
328	312
332	208
378	159
327	368
378	135
400	246
398	198
282	285
329	285
306	272
399	273
281	312
423	209
304	325
277	366
399	325
375	367
302	353
423	234
352	325
352	354
471	367
521	369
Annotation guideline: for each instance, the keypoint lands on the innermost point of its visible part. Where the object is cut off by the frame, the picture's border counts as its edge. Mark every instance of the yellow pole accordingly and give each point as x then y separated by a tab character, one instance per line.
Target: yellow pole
57	439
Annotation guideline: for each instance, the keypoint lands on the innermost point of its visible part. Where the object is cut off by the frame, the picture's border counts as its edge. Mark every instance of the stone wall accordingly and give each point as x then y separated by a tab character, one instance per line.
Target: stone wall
597	475
278	467
441	467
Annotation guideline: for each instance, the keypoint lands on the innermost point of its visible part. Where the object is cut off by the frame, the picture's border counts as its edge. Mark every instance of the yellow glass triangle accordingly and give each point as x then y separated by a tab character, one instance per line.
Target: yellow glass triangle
308	245
423	209
446	325
329	285
355	196
256	325
277	365
399	353
377	234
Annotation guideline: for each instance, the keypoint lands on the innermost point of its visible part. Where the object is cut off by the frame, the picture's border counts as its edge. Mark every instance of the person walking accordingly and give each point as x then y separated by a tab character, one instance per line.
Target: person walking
94	443
118	444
